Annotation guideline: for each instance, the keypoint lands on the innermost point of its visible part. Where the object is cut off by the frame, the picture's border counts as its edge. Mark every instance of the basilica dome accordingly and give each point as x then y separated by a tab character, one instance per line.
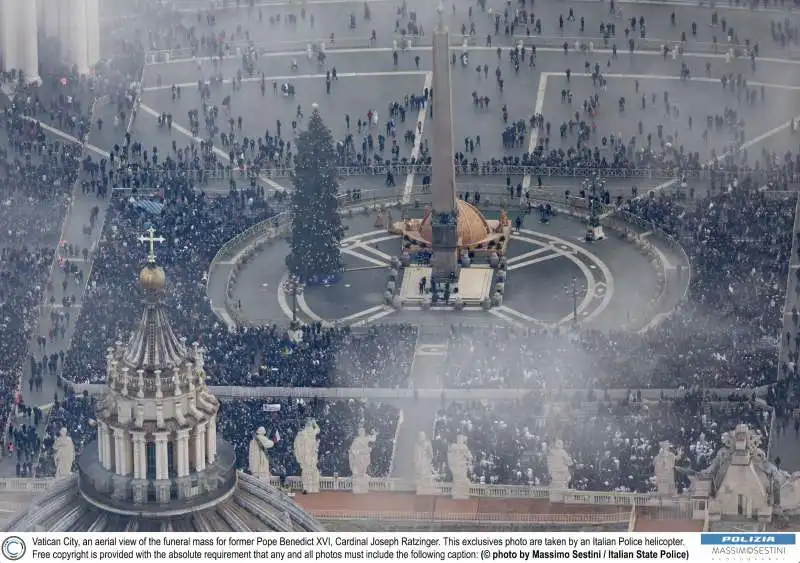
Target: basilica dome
472	227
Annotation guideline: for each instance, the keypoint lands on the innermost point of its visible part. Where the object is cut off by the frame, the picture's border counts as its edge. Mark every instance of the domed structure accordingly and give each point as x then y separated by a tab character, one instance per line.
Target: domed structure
472	227
157	464
476	234
152	278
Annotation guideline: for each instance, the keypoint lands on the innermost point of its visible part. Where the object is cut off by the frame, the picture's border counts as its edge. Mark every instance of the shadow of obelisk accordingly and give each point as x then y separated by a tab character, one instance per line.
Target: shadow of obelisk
444	217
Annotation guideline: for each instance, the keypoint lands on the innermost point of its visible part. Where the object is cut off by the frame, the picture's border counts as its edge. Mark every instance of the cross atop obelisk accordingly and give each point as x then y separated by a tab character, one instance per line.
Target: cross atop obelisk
151	239
444	262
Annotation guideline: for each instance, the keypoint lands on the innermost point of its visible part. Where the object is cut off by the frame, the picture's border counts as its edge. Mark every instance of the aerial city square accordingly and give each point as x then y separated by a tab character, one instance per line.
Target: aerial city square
395	265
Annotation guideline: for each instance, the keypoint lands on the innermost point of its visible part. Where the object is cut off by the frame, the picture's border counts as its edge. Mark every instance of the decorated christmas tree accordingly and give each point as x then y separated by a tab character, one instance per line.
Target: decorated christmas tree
317	231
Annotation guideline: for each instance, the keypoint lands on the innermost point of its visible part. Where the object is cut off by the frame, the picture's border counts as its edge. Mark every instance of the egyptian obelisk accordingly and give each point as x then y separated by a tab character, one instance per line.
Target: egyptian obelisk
444	217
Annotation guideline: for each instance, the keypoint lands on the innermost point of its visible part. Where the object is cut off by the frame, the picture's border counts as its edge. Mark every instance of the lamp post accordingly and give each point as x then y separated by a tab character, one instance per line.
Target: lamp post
575	289
592	186
294	286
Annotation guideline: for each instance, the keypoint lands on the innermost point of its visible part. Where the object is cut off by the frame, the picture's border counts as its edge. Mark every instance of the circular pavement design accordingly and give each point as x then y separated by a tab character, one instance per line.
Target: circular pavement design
551	270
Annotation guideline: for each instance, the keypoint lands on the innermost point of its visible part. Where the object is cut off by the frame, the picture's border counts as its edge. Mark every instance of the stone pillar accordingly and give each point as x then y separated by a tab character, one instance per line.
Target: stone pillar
211	440
183	452
200	447
139	455
93	31
162	463
30	41
104	446
80	54
9	33
120	463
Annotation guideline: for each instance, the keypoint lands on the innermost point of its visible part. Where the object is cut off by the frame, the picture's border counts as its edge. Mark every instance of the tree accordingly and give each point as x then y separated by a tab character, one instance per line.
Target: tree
316	223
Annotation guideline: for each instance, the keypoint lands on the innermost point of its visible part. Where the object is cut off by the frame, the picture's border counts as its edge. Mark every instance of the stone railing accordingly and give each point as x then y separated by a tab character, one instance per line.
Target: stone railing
345	484
477	517
22	484
478	170
232	392
683	274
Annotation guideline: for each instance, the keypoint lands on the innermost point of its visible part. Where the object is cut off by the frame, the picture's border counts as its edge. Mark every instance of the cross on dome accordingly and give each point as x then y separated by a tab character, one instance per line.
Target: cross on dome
151	239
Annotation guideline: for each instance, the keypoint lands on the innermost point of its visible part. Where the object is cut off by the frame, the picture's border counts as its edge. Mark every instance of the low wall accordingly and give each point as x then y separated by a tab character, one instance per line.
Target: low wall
345	484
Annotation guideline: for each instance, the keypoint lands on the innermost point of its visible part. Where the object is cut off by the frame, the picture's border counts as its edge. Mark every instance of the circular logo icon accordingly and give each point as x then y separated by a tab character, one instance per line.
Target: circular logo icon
13	548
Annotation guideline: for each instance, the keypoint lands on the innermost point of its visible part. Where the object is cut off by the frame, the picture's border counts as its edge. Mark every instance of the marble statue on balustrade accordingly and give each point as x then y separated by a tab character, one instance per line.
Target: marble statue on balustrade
259	456
360	457
459	460
664	470
423	465
558	466
63	454
307	455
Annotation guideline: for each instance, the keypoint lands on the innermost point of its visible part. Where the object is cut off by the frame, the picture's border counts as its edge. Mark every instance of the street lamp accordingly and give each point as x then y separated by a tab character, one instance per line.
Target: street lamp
294	286
592	187
575	289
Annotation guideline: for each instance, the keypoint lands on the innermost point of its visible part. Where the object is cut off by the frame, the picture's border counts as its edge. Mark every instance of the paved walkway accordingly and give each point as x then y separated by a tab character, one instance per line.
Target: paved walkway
72	232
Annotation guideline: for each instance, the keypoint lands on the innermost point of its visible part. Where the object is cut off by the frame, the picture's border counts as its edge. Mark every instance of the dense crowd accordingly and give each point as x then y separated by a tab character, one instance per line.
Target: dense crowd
612	445
195	227
76	414
722	336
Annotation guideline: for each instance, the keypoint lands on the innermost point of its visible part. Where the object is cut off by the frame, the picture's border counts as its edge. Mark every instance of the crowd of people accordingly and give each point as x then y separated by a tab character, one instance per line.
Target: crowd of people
723	335
738	240
612	444
196	226
76	413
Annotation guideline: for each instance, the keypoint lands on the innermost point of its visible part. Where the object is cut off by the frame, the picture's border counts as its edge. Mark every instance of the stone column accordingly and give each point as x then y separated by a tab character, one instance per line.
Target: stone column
200	447
9	27
139	456
162	463
104	446
93	31
30	41
119	451
183	452
211	440
80	54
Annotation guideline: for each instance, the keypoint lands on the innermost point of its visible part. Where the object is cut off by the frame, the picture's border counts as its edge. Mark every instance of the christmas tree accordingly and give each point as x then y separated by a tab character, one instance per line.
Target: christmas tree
317	231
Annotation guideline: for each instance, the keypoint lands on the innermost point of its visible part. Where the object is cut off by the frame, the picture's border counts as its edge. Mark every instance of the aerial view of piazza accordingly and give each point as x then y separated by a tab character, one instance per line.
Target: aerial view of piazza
399	265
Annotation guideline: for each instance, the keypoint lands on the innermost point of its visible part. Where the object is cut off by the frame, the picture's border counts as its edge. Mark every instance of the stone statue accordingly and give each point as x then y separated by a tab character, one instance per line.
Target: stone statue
664	469
423	465
558	464
63	454
138	419
306	454
459	460
360	451
258	457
